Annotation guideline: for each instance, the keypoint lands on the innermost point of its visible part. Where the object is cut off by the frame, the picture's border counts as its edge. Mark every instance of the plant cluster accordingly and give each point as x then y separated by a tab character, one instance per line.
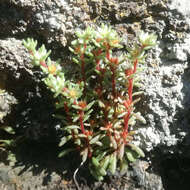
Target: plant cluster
98	103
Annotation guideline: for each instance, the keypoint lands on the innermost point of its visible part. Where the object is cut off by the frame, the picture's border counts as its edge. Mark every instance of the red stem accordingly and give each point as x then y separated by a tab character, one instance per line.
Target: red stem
67	112
82	67
126	121
130	89
127	105
108	54
81	114
113	82
96	54
98	64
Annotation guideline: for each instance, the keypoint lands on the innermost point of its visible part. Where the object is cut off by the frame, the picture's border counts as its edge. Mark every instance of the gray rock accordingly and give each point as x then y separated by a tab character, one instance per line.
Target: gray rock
182	6
145	179
165	88
165	80
6	102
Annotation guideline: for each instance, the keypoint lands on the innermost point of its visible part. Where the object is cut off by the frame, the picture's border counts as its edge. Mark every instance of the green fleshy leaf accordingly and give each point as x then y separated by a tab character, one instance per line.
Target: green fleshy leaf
87	115
63	141
65	152
96	175
82	136
101	171
130	157
105	162
71	127
71	49
76	61
98	143
78	142
8	129
113	163
138	93
139	117
101	104
100	154
75	118
8	143
77	107
123	166
95	162
121	115
137	149
96	138
89	105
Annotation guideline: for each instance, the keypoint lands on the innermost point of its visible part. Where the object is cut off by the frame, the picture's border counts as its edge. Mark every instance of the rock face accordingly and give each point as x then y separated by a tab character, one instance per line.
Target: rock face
165	79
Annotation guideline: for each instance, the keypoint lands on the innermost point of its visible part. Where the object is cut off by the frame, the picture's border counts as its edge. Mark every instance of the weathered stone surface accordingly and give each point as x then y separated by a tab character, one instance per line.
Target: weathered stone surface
166	100
164	84
22	86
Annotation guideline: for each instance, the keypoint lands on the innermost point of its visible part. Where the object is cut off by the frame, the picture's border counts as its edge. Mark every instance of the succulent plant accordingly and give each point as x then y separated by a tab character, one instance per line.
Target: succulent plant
99	106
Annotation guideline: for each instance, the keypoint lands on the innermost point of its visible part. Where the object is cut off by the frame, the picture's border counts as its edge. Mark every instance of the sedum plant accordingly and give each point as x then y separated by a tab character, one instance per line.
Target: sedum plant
98	103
